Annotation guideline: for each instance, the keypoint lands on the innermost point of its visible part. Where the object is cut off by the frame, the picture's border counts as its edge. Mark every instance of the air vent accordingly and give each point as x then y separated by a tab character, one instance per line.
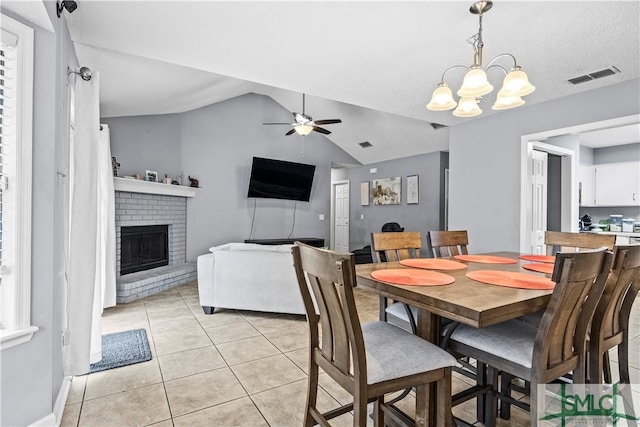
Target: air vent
438	125
595	75
365	144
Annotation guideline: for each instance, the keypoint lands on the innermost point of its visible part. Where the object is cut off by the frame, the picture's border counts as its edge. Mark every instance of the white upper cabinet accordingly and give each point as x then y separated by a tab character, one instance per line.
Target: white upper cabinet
614	184
586	185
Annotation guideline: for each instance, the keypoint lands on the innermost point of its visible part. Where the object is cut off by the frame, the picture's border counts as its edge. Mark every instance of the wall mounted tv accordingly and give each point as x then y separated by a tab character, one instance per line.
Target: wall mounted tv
279	179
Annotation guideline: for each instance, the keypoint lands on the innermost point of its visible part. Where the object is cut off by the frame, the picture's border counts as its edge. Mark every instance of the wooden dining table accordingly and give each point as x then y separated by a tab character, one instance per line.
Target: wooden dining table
465	300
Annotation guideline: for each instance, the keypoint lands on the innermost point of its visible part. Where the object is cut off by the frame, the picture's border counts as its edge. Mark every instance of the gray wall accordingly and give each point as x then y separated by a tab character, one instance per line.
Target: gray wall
484	159
32	372
424	216
617	154
216	145
143	143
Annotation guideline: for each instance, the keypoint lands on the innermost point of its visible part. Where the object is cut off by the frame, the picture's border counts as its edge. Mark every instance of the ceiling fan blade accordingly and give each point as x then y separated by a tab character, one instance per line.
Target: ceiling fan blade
327	121
288	124
290	132
321	130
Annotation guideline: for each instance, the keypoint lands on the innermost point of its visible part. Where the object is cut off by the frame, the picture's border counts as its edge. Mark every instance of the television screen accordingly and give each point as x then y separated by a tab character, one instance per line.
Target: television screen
278	179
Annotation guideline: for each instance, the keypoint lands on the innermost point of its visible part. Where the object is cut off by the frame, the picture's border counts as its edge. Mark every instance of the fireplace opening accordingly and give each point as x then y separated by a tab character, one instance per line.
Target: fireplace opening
143	248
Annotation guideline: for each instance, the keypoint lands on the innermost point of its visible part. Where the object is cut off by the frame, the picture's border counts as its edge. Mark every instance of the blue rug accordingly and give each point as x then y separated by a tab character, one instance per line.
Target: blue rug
122	349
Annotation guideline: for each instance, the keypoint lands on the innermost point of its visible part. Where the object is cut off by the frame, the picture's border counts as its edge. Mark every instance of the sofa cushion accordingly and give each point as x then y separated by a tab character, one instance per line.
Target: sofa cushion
251	247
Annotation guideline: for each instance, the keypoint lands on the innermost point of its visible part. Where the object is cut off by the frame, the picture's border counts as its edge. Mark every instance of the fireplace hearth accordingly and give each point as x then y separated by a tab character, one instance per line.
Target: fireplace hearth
143	248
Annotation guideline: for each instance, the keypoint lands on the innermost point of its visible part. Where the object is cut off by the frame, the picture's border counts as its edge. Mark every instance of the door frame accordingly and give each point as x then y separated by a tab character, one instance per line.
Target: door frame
569	178
332	237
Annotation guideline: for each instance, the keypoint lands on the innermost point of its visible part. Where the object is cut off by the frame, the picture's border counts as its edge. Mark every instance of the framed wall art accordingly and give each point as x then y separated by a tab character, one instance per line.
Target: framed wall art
387	191
412	190
364	193
151	176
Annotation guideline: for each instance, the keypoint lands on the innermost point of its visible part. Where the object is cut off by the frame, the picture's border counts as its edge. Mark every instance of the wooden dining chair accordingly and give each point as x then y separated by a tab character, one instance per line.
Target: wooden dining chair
396	246
610	325
448	243
557	347
368	360
561	241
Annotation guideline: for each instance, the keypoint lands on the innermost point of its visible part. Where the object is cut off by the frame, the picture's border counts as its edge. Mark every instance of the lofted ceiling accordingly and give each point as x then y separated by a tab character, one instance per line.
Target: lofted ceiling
372	64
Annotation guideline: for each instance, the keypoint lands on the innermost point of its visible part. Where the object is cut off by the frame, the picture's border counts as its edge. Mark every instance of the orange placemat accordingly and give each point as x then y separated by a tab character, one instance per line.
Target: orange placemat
433	263
539	258
539	267
405	276
486	259
511	279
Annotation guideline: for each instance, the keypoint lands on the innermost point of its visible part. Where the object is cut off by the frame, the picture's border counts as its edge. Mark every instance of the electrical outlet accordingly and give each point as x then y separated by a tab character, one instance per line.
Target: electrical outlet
321	217
361	216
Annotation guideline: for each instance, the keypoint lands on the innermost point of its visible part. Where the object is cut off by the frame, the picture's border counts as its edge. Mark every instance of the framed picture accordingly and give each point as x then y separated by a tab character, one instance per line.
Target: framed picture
152	176
412	190
364	193
387	191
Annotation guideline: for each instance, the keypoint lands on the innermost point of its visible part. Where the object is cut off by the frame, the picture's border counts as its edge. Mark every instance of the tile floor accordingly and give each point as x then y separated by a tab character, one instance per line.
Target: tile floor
232	368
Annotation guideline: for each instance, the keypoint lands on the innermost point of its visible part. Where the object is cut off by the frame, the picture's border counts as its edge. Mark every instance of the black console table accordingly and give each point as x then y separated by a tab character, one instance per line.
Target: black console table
312	241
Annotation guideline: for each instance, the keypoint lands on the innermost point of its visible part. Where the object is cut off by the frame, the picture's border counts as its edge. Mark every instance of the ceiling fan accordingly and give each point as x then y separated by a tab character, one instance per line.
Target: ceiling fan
304	124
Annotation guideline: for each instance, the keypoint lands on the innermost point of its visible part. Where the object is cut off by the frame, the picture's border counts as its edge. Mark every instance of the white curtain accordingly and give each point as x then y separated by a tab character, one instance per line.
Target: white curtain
91	261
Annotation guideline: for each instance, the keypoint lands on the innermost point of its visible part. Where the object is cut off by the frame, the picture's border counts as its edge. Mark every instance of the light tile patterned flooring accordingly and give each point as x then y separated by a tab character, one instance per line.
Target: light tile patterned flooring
232	368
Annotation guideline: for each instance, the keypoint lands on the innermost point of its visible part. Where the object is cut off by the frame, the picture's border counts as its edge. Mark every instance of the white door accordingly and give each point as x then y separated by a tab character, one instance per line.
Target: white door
539	201
341	220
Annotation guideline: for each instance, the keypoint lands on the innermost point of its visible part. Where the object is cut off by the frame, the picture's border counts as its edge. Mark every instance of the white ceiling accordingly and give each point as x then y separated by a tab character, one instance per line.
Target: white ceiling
622	135
372	64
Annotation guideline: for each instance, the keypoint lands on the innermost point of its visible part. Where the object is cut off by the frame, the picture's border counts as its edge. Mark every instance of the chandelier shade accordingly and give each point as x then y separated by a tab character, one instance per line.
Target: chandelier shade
475	84
442	99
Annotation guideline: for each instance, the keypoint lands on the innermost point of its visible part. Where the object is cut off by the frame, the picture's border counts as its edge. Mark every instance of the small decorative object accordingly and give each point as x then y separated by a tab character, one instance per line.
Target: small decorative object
114	165
412	190
167	180
151	176
387	191
364	193
174	182
194	182
138	177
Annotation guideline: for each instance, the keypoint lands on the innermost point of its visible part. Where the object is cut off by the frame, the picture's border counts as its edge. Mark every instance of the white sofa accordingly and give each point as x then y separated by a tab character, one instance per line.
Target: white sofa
247	276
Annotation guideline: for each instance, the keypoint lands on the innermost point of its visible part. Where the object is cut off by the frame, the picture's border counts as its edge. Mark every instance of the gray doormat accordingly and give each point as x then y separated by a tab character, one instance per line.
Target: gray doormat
122	349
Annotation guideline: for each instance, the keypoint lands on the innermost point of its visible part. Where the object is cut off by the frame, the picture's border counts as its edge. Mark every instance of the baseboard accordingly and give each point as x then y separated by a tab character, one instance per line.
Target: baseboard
55	418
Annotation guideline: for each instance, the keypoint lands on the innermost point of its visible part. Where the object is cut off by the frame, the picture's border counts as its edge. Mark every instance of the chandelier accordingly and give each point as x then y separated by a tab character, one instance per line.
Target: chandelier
475	84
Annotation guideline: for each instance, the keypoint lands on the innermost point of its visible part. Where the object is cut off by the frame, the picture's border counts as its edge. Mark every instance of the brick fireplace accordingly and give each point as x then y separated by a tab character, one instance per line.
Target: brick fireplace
135	209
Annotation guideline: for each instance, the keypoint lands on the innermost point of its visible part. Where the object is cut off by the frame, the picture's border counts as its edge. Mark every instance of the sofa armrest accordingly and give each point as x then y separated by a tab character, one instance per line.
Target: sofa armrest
206	264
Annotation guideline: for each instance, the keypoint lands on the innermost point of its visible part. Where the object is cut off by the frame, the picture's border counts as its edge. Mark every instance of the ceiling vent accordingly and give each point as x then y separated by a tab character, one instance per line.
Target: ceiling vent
365	144
438	125
595	75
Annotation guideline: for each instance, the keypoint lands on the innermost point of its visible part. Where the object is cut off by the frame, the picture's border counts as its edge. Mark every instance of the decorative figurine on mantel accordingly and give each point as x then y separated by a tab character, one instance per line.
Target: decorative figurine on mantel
194	182
114	165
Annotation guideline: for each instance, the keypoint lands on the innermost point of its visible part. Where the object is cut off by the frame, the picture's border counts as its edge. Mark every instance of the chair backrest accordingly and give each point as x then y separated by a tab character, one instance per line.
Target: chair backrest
395	246
622	286
561	241
448	243
560	345
330	276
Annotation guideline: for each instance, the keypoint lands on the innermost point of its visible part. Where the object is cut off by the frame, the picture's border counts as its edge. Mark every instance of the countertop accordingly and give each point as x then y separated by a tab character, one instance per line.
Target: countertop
617	233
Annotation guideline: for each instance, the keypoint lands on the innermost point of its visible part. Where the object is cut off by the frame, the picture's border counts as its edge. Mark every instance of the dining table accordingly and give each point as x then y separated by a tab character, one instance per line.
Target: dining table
464	300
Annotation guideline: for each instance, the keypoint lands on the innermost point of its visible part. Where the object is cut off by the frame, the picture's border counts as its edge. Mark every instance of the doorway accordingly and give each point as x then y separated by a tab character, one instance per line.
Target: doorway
568	183
340	216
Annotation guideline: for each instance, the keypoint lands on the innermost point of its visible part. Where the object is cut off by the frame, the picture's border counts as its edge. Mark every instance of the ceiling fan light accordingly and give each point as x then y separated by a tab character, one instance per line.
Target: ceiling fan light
475	83
516	83
442	99
504	101
467	107
303	130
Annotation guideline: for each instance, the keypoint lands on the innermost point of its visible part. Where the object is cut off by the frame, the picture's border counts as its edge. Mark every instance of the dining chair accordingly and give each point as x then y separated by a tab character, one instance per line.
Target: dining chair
555	348
397	246
562	241
368	360
448	243
610	325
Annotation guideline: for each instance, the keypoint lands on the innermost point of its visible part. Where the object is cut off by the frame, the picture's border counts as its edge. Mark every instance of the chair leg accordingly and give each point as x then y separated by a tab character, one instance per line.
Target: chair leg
505	389
360	410
481	379
378	413
443	405
606	368
383	309
491	399
312	394
623	361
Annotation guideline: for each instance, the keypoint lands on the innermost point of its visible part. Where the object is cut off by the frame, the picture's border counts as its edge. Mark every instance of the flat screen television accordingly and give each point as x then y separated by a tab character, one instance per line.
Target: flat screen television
279	179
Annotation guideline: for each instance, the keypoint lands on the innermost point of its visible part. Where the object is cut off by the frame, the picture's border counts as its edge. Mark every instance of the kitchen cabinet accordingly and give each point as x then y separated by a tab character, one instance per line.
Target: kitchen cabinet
610	184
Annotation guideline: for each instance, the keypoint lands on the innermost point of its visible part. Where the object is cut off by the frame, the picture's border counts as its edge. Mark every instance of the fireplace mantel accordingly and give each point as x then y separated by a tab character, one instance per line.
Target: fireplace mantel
137	186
